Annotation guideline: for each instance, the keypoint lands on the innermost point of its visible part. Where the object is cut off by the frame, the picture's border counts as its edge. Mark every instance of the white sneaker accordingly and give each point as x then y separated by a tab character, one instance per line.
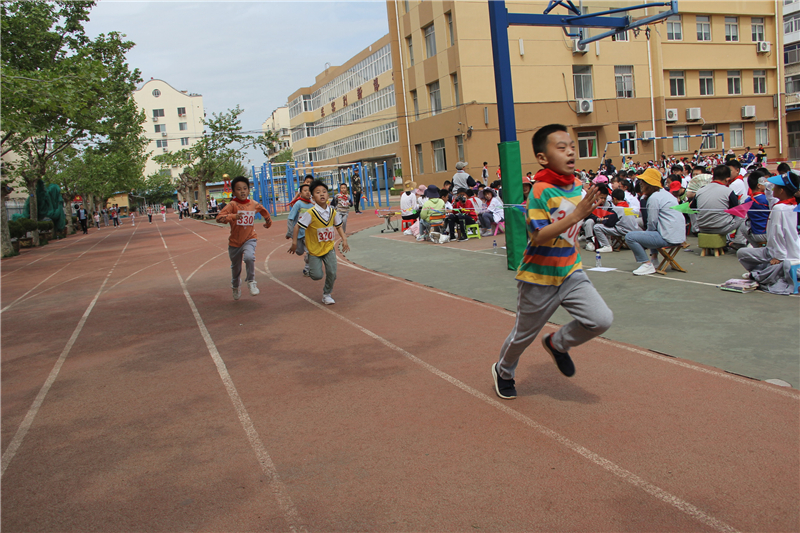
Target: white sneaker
605	249
237	293
327	300
645	270
420	238
307	272
746	275
589	247
253	288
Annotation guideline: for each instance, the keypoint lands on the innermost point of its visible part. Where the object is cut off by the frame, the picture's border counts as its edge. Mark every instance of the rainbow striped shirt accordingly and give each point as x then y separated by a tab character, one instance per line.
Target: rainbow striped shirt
550	263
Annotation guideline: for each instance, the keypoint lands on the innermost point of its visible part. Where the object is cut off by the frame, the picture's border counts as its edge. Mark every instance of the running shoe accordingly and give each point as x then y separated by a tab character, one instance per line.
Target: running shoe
253	288
605	249
327	299
645	270
562	359
237	293
503	387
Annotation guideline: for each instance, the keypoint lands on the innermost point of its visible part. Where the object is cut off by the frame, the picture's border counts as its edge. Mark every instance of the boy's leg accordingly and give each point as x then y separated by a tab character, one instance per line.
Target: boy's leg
236	264
753	258
330	271
315	267
249	257
591	315
602	233
535	305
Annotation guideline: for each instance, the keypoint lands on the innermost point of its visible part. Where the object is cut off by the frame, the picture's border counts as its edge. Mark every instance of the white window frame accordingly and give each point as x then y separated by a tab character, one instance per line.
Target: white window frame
183	126
420	159
623	80
734	82
158	113
460	146
161	143
415	100
587	145
791	23
757	29
435	98
674	28
630	147
680	144
760	81
450	26
762	133
732	29
706	83
793	84
184	141
582	79
709	143
410	45
621	36
678	88
456	96
703	28
737	135
439	156
429	32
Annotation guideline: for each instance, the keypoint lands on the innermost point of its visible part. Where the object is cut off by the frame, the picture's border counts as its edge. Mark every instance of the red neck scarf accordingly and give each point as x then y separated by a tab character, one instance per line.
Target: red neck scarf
622	204
241	201
553	178
789	201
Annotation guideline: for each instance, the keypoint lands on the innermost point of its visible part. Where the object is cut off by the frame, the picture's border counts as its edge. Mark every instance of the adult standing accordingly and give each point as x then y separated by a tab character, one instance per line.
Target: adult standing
462	180
485	173
164	212
665	226
355	181
104	211
83	218
114	217
761	156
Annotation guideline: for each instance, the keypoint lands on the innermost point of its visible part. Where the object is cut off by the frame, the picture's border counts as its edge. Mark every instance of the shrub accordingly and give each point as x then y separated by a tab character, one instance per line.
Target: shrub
46	225
168	203
15	229
28	224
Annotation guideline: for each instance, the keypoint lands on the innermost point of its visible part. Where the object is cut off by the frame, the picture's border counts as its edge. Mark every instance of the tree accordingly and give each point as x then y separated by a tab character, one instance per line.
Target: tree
157	189
283	157
222	143
59	87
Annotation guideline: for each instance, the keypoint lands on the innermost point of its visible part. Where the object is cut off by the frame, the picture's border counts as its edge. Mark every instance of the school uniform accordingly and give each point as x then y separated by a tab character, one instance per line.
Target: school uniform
319	224
242	241
782	243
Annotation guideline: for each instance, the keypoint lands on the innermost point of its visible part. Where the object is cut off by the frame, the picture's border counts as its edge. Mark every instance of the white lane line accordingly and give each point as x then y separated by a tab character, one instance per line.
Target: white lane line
145	268
666	359
45	255
279	490
54	273
201	266
187	229
16	442
59	284
625	475
498	254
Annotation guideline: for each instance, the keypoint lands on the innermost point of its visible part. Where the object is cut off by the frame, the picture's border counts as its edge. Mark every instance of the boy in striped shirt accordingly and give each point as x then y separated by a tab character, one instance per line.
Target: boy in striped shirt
550	273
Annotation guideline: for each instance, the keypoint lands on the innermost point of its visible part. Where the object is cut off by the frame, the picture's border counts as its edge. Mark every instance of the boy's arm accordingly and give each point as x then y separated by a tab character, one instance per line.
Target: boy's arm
554	229
264	213
345	246
296	230
222	217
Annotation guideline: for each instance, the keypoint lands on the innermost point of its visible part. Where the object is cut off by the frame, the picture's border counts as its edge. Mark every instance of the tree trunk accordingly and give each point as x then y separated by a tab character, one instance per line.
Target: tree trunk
69	229
33	207
6	236
203	203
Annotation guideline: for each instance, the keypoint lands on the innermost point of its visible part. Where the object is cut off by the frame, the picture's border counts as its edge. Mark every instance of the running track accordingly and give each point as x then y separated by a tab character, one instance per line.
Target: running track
138	396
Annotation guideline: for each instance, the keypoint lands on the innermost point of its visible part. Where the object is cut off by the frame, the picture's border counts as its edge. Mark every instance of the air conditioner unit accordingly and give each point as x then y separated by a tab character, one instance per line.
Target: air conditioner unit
584	105
649	135
748	111
577	47
763	47
693	113
155	119
672	115
163	133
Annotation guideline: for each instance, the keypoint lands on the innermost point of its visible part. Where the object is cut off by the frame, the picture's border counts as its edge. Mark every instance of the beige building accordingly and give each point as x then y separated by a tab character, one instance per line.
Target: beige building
278	122
702	71
791	60
348	115
174	121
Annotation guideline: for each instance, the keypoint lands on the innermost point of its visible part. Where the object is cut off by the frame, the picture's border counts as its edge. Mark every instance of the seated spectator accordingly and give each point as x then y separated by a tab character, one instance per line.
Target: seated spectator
460	216
770	266
527	185
476	204
492	215
630	196
589	221
756	223
408	201
675	188
434	205
738	183
665	226
616	224
712	201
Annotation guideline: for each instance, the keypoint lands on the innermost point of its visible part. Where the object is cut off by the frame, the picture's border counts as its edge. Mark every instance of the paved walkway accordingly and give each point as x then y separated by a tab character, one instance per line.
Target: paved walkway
138	396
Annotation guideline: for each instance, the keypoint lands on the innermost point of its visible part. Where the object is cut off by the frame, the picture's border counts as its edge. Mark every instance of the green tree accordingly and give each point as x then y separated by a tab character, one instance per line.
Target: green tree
283	157
59	87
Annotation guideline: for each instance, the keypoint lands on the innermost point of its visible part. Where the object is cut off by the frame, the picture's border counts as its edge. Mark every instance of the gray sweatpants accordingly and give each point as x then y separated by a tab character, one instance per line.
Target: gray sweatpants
537	303
315	269
246	252
776	279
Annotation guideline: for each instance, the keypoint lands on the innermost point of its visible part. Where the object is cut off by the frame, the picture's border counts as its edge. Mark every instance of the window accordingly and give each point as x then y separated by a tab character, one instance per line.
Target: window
420	166
406	5
621	36
762	133
760	81
158	113
161	128
731	29
791	23
456	96
709	143
587	144
439	158
791	54
156	93
624	81
680	144
430	41
416	104
627	134
703	28
410	51
757	28
450	27
582	79
184	141
674	28
737	135
677	83
161	143
436	99
734	82
460	144
793	84
182	126
181	111
707	83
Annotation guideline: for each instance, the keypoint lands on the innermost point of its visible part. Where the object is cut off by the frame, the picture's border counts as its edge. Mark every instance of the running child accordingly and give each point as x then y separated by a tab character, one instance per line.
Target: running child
319	223
240	214
164	212
302	205
343	204
150	213
550	273
133	217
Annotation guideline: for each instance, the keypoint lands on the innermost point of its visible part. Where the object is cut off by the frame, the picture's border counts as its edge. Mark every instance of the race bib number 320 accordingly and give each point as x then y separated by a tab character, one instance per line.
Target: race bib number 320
325	234
247	218
565	208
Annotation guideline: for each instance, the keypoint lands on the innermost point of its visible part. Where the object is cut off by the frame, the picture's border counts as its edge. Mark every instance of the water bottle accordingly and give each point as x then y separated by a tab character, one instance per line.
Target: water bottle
494	246
598	262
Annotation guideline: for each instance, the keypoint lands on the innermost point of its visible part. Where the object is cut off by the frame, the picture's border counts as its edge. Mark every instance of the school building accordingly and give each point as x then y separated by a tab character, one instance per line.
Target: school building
278	123
791	61
714	68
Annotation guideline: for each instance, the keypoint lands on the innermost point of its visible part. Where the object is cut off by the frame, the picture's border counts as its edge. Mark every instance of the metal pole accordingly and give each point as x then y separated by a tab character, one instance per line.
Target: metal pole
385	177
256	188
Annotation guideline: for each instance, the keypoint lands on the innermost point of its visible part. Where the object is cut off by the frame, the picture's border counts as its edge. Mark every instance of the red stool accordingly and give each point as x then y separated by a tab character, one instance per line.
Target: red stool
405	224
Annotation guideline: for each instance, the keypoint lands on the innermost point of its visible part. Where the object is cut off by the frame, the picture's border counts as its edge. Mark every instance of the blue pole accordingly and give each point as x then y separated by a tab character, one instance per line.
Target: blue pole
386	177
272	199
264	196
312	170
377	182
256	188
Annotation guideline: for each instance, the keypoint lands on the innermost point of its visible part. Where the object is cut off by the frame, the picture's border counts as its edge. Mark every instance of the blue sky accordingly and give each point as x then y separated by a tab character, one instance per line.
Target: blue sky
254	54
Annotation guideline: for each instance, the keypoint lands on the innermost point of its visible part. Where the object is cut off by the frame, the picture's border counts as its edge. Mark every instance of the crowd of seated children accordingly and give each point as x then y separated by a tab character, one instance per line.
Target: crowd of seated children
617	223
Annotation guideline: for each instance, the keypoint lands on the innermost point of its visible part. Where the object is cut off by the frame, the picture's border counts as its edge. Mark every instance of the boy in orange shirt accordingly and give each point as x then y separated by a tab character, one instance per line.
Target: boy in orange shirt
240	214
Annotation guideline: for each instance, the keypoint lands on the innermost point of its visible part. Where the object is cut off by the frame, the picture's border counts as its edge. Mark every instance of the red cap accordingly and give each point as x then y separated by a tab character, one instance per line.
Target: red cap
675	186
526	180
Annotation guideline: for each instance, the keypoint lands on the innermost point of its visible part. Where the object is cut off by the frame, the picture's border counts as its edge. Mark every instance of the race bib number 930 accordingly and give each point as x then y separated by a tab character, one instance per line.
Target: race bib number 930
247	218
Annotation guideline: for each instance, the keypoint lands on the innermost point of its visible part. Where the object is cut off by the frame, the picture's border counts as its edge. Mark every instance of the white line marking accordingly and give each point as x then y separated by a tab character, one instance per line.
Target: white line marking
145	268
609	466
45	255
201	266
16	442
666	359
267	465
187	229
443	247
59	284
